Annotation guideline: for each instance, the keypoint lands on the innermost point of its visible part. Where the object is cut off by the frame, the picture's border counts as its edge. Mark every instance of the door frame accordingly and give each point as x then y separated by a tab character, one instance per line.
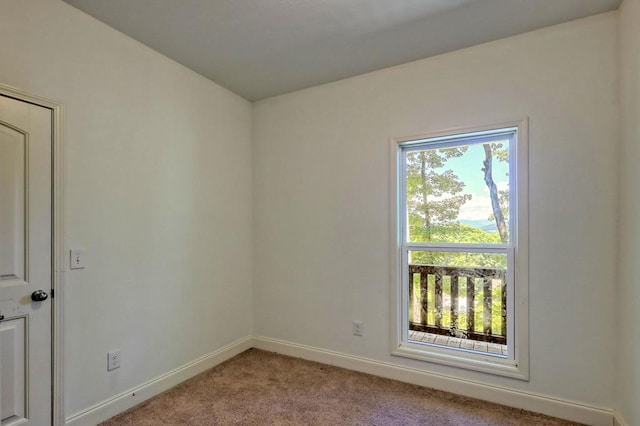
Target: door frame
58	264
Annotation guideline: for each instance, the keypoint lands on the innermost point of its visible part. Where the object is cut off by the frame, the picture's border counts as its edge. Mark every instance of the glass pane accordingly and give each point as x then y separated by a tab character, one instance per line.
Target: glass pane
458	299
12	203
459	194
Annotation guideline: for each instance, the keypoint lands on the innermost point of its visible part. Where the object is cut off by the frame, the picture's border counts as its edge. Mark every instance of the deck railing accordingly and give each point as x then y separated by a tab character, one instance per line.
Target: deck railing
469	303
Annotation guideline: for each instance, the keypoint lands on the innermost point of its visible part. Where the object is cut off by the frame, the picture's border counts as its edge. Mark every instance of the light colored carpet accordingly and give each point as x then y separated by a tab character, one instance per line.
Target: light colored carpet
263	388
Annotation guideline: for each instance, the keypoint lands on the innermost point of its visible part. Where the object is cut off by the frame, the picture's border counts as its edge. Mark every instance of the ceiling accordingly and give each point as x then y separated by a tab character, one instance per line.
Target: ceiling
263	48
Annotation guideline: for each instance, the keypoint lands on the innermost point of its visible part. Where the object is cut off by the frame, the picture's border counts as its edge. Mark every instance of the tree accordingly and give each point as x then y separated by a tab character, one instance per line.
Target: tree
499	199
427	205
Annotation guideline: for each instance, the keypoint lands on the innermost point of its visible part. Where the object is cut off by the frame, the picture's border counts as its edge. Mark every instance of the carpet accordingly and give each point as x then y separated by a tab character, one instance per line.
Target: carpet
263	388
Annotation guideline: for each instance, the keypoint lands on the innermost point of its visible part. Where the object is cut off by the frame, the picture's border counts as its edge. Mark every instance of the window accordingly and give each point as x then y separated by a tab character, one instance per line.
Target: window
460	256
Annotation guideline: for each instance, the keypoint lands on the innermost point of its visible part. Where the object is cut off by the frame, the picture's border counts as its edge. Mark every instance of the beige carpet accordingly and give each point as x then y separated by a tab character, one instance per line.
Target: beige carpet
263	388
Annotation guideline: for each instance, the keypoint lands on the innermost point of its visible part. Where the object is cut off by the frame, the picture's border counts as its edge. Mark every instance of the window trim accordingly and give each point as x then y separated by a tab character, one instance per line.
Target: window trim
516	365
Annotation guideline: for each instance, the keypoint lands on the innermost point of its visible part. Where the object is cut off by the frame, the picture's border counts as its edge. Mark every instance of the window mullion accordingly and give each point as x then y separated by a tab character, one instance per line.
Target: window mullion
473	248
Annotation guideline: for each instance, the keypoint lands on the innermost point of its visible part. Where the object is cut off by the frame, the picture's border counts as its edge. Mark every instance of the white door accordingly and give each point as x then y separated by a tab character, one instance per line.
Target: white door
25	263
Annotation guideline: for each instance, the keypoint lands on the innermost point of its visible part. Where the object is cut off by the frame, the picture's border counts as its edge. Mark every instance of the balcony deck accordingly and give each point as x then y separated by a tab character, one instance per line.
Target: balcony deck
478	346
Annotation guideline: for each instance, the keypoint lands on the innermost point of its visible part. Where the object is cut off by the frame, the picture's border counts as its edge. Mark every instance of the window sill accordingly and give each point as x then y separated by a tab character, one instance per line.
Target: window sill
492	364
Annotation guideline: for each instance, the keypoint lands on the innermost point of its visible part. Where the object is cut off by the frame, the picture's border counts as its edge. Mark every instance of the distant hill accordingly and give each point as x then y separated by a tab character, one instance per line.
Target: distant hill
485	225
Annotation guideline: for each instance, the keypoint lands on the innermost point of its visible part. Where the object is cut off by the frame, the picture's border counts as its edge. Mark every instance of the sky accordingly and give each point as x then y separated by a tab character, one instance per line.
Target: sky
468	168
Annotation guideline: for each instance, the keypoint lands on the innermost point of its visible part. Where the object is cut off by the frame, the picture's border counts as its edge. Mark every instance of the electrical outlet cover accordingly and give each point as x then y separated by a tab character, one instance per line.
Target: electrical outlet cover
357	328
113	360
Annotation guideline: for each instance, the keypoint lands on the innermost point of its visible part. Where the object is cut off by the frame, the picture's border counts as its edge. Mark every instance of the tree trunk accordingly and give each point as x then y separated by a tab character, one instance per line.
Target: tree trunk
423	175
493	193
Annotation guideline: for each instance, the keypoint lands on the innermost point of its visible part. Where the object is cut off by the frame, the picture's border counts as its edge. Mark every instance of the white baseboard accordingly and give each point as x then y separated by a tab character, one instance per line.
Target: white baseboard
119	403
618	420
528	401
524	400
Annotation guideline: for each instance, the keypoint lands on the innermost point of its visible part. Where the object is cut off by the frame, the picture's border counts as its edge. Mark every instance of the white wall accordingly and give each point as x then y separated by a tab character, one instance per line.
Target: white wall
158	191
321	198
628	349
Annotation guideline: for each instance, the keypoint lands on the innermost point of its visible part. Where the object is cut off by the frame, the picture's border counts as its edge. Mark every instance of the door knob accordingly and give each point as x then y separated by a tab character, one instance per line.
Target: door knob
39	295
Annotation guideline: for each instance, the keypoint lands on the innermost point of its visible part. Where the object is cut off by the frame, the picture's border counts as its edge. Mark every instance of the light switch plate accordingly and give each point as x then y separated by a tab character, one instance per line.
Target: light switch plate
77	259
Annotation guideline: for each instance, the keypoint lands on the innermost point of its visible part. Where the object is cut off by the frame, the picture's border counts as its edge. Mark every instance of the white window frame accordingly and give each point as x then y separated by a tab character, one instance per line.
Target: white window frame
516	363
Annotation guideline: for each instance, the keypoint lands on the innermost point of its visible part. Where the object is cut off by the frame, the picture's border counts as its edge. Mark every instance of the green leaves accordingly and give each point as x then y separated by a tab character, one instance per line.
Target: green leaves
460	233
432	198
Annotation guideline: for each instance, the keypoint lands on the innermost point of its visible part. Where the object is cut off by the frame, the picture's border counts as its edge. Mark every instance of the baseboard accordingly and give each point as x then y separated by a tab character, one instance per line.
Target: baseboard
528	401
618	420
524	400
109	408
